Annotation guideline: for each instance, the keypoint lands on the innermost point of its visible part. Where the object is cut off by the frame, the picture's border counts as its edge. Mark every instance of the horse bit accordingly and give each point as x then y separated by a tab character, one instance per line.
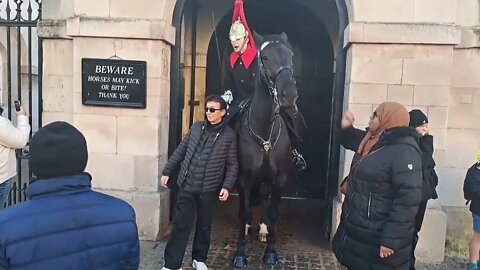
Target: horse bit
272	87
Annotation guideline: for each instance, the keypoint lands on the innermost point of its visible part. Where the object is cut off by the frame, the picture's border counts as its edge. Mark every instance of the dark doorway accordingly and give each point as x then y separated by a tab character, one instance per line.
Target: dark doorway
314	72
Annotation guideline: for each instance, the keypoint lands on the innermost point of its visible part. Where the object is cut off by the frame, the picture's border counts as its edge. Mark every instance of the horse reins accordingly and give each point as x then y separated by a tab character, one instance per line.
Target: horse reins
272	87
266	144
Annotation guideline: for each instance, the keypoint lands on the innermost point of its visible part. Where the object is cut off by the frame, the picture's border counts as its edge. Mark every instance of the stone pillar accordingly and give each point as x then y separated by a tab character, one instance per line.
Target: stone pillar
127	147
57	78
432	236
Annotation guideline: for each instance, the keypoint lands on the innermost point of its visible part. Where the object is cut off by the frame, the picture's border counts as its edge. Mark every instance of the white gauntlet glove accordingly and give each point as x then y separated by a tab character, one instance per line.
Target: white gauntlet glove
228	97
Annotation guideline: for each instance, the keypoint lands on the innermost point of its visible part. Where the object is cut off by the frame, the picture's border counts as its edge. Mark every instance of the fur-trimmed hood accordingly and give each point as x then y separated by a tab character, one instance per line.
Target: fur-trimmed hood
405	135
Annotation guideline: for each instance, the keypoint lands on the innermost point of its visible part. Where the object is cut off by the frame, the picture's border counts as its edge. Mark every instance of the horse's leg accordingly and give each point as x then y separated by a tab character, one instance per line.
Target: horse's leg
264	221
270	256
246	210
245	215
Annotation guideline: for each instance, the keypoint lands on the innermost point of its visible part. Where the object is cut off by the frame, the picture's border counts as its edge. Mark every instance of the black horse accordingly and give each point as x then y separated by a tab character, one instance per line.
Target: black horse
264	149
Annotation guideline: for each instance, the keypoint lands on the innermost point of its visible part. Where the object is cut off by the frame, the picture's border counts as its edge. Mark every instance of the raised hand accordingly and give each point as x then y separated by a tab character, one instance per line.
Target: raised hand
347	120
21	111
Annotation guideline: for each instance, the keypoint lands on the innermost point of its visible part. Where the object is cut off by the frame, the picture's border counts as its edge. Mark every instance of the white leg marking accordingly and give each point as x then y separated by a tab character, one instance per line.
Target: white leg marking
247	226
263	232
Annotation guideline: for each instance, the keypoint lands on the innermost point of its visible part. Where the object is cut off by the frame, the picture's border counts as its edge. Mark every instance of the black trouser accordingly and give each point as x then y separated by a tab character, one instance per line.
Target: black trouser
418	225
187	205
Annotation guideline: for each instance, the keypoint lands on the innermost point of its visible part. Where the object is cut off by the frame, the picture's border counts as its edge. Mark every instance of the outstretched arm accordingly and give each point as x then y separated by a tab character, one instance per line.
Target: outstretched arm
350	137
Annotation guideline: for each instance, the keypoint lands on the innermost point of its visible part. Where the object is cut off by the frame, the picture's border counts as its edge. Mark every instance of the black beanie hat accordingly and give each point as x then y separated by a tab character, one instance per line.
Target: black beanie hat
417	118
58	149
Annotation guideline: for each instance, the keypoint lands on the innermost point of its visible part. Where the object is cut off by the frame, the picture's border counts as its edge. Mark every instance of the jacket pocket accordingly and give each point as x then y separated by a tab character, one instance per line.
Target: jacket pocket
369	209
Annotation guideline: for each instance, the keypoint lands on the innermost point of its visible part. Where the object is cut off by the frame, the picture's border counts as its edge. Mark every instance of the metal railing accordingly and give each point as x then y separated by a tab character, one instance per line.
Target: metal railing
21	77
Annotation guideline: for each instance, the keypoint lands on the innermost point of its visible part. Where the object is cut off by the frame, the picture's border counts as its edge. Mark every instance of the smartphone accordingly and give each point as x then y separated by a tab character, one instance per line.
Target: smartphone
17	105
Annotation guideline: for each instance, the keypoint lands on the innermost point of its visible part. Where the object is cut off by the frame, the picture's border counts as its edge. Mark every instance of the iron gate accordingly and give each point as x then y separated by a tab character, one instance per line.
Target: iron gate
21	75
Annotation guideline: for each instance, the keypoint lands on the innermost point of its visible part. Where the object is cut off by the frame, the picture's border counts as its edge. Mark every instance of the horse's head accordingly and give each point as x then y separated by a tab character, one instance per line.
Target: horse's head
275	61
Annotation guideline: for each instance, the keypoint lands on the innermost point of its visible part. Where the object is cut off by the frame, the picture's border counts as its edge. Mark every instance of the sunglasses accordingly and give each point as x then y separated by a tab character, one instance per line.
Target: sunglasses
374	115
212	110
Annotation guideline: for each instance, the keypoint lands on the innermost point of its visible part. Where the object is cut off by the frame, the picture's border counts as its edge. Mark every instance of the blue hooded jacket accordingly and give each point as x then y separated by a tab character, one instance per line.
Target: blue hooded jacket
66	225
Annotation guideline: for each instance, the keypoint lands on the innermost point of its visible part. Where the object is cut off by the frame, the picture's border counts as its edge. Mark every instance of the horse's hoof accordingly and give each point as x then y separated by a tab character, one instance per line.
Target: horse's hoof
262	237
239	261
270	258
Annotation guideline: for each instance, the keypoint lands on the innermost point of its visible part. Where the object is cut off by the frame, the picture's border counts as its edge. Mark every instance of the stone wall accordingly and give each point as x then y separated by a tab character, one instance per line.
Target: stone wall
127	147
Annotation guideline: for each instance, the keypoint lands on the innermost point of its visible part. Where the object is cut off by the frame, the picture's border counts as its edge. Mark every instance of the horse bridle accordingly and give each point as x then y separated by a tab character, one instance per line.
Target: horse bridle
271	82
272	88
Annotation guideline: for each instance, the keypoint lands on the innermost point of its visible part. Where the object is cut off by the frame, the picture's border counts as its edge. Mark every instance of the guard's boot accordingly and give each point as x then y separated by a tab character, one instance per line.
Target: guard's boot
299	161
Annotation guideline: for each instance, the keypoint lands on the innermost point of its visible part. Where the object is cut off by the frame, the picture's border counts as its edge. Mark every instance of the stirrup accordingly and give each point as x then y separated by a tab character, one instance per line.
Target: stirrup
299	161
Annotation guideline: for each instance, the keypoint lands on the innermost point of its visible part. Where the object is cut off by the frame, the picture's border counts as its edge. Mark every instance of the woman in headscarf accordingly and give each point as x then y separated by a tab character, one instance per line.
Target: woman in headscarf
383	191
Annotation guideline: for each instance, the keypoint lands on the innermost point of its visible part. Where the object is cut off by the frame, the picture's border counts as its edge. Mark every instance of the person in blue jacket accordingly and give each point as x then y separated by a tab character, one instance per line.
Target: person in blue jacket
65	224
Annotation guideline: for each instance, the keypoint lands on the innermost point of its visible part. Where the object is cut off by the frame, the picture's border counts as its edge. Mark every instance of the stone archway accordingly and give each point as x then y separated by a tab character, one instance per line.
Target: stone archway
209	15
313	65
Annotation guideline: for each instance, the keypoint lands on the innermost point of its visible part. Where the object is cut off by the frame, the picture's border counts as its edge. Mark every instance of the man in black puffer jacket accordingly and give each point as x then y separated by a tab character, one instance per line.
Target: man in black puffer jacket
384	191
207	157
419	121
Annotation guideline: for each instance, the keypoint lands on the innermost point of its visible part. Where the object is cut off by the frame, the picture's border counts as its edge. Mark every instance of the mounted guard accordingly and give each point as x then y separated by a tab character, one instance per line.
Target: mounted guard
240	81
262	94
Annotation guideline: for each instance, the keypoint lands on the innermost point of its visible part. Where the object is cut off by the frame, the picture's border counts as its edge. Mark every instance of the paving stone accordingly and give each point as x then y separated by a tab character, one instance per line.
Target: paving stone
300	244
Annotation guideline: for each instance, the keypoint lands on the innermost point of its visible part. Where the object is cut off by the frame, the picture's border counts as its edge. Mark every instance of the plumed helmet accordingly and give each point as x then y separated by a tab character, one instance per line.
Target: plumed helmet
237	30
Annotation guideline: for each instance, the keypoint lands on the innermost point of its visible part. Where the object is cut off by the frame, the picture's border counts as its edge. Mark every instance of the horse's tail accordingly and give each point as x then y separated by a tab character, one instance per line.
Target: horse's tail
258	194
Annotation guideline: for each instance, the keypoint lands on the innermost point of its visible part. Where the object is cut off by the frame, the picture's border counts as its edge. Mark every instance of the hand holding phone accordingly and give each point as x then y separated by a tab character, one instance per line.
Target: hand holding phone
17	105
18	108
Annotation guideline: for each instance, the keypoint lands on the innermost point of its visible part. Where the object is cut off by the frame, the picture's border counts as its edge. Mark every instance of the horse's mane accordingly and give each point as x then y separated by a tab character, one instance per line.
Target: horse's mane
281	38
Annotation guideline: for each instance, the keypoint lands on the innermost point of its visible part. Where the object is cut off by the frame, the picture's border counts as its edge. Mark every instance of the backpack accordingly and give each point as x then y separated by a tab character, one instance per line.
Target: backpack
471	184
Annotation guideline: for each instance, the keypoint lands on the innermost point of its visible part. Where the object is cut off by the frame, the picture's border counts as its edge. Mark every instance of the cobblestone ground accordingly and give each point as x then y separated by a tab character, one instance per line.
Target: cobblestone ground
301	244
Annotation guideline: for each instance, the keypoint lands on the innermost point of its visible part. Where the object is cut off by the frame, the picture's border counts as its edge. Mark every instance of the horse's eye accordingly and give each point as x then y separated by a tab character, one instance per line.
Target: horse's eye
264	58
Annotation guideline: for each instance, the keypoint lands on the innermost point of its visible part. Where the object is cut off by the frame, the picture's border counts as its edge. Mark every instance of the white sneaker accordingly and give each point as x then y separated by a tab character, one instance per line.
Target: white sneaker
165	268
199	265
